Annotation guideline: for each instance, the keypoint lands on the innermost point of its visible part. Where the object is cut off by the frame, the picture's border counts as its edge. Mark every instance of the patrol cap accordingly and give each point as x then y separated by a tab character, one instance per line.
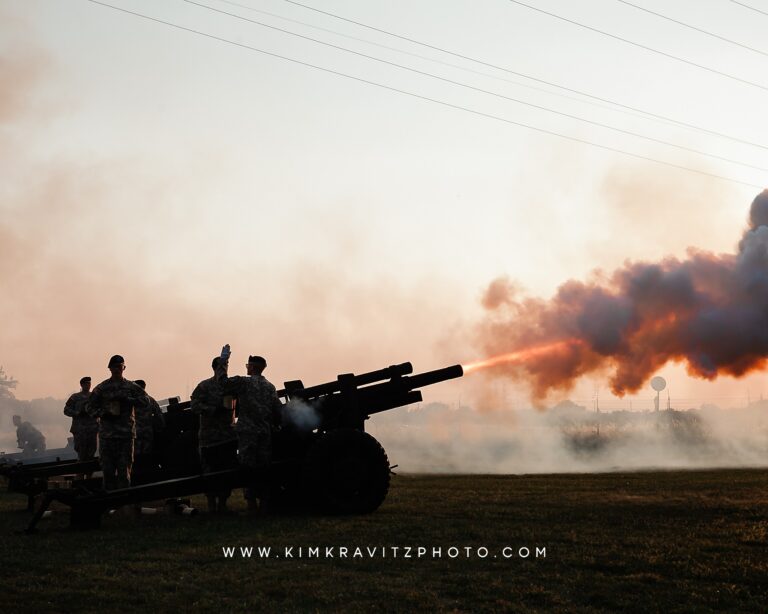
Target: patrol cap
257	360
84	380
115	360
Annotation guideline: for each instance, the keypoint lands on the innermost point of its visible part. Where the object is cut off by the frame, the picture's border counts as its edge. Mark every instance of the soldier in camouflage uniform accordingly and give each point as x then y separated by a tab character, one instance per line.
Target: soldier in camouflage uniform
113	401
28	438
258	412
85	428
149	423
217	431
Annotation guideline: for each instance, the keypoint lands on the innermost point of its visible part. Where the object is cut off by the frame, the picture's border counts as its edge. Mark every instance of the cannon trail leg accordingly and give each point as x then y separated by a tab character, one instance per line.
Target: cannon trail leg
38	514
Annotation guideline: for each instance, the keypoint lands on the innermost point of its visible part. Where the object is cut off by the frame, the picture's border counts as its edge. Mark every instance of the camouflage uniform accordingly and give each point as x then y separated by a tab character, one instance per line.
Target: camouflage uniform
217	416
113	401
29	439
217	424
85	428
149	420
258	409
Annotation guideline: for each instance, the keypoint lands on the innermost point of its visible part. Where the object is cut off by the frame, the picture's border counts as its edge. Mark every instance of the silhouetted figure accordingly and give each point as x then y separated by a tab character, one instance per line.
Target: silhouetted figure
258	411
149	424
218	441
113	402
28	438
85	427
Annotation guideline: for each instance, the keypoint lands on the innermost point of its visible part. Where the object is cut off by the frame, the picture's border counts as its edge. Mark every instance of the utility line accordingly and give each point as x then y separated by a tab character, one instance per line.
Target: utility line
611	107
641	46
519	74
686	25
426	98
747	6
478	89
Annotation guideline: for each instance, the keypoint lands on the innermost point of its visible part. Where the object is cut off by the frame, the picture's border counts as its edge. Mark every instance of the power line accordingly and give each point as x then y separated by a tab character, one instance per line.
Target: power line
478	89
747	6
690	27
519	74
641	46
426	98
611	107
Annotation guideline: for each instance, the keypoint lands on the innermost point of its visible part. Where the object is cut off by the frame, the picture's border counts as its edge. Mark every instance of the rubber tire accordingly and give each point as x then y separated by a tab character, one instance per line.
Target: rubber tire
346	471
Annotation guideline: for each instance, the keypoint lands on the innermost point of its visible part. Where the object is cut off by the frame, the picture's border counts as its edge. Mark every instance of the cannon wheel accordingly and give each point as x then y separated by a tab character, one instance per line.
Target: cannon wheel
346	471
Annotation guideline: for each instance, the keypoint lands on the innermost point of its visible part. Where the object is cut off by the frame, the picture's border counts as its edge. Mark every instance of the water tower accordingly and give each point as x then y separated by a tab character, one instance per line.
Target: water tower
658	383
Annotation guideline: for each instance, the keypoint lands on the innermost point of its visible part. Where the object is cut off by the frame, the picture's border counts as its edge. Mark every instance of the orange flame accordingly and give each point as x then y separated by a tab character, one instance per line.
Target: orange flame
519	356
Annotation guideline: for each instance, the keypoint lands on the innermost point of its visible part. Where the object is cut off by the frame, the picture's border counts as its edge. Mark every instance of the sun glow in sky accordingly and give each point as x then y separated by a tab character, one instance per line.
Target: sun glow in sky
165	192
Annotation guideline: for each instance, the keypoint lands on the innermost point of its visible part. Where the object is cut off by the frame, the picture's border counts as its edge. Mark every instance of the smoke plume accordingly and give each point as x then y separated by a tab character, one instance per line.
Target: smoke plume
709	311
569	438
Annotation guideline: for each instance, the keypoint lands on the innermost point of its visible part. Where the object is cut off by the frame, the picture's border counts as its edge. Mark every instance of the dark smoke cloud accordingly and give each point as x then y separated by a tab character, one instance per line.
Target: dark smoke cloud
709	311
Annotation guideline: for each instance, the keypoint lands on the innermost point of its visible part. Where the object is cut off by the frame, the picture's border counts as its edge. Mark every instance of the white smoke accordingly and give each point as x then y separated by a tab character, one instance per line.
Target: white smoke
438	439
47	415
301	415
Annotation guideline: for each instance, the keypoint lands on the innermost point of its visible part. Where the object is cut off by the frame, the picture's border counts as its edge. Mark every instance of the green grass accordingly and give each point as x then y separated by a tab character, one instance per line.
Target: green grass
662	541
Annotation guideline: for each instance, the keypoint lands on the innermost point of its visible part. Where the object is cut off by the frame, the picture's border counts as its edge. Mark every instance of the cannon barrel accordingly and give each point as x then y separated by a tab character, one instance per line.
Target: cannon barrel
433	377
359	380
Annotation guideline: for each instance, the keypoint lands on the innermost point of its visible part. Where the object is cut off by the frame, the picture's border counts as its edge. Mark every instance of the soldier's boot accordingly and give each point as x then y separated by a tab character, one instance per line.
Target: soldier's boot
211	503
222	506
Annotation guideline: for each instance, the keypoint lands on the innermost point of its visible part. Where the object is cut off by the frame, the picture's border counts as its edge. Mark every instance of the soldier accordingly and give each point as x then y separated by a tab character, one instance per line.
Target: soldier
217	432
28	438
85	428
258	412
113	402
149	423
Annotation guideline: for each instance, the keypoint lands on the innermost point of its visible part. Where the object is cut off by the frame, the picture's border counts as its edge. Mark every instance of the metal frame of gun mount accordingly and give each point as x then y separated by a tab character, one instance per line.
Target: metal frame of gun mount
29	474
322	458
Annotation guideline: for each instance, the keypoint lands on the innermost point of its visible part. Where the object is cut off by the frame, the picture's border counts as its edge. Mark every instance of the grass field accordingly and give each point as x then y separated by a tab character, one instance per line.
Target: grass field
657	541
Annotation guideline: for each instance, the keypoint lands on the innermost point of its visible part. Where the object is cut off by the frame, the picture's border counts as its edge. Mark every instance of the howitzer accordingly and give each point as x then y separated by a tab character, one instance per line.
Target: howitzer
328	461
322	458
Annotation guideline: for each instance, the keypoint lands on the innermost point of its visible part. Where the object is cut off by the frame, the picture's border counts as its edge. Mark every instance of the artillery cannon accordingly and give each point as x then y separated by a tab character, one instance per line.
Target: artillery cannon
328	460
322	457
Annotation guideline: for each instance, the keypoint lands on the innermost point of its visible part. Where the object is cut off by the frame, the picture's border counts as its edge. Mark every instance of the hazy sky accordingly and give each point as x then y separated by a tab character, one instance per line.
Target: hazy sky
163	193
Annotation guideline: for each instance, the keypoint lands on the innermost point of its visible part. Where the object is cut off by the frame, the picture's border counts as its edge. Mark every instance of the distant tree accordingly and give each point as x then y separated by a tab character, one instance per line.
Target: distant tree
6	385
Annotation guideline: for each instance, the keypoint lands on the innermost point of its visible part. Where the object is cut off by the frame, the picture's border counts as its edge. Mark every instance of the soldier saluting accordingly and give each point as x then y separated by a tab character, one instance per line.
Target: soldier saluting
217	431
258	411
113	402
85	428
